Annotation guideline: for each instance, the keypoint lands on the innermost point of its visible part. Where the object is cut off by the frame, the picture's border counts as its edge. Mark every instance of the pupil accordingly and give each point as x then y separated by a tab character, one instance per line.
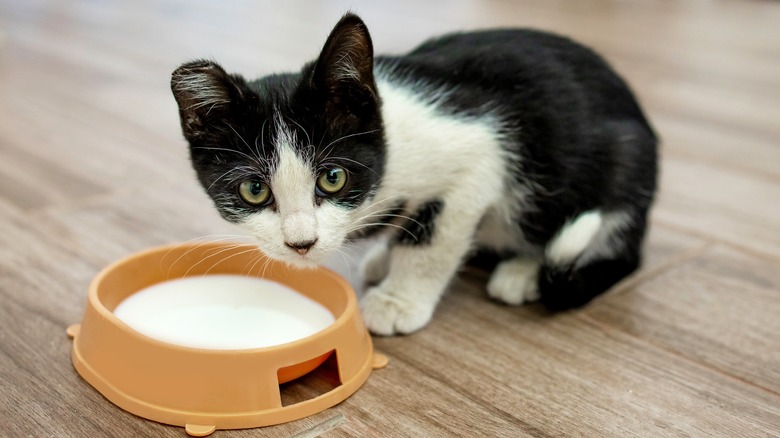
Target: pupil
256	188
333	176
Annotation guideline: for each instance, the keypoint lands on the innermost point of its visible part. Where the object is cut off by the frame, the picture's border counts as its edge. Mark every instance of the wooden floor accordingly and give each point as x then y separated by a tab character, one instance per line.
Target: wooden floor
93	167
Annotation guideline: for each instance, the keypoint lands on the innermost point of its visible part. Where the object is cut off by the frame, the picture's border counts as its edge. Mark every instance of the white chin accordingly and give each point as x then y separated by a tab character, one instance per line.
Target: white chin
297	261
303	262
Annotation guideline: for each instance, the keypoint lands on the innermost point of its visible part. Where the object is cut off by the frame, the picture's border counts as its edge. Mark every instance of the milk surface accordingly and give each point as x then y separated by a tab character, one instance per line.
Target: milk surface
223	312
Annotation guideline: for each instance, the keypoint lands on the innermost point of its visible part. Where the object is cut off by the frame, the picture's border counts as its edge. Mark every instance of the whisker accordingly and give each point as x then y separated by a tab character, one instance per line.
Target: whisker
237	134
352	161
369	209
255	260
245	155
211	238
349	251
222	251
395	215
266	264
346	263
326	152
363	226
387	199
241	171
261	137
308	139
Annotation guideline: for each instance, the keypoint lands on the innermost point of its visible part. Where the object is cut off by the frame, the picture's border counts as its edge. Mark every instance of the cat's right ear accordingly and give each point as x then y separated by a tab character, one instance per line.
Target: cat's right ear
204	92
344	70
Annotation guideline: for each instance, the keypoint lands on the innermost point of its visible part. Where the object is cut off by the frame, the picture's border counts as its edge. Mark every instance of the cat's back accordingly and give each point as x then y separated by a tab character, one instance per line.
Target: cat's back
497	51
496	43
524	68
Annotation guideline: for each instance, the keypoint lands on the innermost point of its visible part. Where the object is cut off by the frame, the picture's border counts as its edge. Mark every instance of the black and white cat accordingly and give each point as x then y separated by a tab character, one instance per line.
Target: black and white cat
516	142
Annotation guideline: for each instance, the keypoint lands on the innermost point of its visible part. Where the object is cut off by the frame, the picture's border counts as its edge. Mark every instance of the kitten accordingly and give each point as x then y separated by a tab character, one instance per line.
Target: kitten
516	142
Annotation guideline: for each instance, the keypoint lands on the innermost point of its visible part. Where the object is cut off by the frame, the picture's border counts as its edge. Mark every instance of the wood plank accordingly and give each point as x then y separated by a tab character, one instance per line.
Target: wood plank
93	167
719	309
747	152
159	214
720	204
564	376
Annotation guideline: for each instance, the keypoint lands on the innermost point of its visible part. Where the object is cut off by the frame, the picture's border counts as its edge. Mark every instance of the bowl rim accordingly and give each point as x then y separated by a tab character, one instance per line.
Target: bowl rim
110	369
344	287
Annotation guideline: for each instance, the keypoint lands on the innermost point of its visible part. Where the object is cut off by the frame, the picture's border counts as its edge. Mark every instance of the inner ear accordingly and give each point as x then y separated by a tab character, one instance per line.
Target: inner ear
345	68
203	90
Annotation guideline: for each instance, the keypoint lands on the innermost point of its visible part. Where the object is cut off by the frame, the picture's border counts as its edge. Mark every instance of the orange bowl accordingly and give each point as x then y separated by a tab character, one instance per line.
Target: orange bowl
202	389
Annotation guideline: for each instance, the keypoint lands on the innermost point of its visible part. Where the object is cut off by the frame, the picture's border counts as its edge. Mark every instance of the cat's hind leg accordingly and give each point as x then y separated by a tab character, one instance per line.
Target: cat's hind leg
589	255
515	281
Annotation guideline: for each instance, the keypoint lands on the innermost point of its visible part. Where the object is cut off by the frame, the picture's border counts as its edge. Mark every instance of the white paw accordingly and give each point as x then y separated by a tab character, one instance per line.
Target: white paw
376	264
514	282
387	314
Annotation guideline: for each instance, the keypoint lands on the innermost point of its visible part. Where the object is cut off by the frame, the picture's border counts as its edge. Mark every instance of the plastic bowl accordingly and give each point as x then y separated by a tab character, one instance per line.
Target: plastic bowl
204	390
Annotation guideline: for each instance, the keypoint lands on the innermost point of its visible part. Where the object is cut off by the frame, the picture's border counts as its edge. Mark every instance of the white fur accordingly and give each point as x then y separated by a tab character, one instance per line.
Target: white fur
499	229
200	85
376	263
607	240
297	218
573	238
514	281
345	68
588	235
431	155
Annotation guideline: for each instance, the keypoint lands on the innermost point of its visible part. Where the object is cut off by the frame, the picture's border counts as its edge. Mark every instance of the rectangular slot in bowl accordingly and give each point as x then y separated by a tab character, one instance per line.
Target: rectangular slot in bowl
319	381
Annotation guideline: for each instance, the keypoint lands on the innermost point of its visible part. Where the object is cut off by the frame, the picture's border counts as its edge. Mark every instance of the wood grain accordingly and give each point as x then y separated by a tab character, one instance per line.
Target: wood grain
704	309
93	167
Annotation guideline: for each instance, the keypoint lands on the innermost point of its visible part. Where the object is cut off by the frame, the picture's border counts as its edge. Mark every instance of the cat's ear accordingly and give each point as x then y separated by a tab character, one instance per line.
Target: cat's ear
204	92
344	70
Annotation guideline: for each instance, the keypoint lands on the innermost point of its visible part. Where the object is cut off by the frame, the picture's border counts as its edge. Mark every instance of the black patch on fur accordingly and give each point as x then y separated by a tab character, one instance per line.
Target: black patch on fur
379	222
581	139
420	228
562	289
572	286
331	107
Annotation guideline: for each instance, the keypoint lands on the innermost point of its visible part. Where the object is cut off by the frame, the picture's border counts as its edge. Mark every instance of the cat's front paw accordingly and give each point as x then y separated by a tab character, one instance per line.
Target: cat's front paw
514	282
387	314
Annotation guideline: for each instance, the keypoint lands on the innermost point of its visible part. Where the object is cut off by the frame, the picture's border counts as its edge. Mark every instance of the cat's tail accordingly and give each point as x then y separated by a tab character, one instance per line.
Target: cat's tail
589	255
596	249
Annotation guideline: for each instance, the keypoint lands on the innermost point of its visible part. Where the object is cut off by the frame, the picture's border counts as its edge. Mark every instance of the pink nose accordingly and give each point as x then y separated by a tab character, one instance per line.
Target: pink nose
301	247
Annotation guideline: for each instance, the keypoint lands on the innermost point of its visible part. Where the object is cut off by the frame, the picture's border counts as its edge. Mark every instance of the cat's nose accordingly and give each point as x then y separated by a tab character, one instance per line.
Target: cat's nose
301	247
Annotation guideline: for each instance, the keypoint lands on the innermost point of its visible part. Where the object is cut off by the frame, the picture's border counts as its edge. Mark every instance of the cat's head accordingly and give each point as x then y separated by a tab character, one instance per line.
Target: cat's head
295	158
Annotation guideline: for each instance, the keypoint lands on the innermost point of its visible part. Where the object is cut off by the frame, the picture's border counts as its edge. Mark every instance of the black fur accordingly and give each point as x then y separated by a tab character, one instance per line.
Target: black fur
419	229
583	139
335	118
379	222
580	140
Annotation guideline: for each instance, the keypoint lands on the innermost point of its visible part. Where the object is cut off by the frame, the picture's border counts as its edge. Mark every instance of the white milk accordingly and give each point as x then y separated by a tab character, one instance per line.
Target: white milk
223	312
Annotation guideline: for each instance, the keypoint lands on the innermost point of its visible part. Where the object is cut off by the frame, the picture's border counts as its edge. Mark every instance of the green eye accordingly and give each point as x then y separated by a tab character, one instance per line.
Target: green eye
255	192
332	180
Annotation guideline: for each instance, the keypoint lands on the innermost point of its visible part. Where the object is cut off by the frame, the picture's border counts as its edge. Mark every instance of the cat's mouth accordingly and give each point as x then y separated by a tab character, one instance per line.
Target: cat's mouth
307	260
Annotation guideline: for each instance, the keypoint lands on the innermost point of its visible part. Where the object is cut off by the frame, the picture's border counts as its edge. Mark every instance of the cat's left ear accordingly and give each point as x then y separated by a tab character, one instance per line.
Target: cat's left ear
344	70
205	94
